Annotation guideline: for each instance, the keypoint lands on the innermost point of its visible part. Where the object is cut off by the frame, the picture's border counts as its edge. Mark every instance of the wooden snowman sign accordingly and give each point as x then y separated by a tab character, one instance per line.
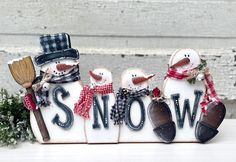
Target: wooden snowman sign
189	93
130	110
57	89
64	111
95	103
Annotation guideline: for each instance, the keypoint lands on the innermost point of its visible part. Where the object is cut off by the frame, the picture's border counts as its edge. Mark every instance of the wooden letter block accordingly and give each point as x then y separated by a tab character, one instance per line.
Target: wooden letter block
183	97
136	126
99	127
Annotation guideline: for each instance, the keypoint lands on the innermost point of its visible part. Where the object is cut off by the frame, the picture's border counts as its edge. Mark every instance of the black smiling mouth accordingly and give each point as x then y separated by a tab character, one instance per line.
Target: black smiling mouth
58	73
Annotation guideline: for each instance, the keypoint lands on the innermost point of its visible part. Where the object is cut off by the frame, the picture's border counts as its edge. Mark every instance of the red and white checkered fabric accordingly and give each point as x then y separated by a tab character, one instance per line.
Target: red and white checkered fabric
86	97
173	73
210	93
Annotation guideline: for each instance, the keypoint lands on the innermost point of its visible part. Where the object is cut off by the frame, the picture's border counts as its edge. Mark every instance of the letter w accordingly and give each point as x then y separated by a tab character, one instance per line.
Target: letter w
186	109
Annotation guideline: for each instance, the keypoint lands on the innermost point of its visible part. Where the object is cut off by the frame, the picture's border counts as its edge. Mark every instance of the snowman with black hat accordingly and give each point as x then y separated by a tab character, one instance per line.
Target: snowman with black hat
59	62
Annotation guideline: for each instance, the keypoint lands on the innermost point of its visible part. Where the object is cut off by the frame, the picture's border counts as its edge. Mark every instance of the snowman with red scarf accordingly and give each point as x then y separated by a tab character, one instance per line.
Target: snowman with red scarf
95	104
59	63
189	91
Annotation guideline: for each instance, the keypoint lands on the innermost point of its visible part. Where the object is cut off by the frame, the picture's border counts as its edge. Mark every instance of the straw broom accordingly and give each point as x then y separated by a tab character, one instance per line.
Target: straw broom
23	72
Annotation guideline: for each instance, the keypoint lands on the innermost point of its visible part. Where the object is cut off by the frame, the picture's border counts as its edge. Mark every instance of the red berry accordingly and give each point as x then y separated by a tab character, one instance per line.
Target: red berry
156	92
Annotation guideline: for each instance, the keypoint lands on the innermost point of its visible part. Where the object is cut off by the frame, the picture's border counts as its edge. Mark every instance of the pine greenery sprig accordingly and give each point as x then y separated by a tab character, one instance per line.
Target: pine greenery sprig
201	68
14	120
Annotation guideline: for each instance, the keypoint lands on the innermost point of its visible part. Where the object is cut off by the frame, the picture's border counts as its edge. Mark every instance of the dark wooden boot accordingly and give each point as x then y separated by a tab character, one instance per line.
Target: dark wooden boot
206	127
160	116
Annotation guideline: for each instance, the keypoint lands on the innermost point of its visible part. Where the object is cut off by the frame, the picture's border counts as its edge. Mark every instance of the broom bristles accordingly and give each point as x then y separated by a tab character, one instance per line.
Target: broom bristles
23	71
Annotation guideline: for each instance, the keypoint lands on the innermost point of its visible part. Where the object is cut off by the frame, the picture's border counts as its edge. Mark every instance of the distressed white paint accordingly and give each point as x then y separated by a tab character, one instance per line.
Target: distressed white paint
120	17
122	23
112	43
221	63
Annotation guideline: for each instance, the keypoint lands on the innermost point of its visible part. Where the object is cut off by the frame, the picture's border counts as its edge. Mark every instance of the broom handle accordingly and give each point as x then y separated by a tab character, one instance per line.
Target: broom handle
39	118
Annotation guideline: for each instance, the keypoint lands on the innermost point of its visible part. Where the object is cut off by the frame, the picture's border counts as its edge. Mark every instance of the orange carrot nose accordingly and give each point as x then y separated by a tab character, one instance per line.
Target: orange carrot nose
95	76
62	67
138	80
182	62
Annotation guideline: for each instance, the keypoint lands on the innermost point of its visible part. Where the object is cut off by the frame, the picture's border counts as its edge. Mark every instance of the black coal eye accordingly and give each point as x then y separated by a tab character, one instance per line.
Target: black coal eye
188	55
185	55
58	62
102	73
132	75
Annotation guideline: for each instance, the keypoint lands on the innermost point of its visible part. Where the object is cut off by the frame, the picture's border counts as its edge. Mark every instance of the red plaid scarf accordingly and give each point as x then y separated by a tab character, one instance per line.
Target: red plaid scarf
86	97
172	73
210	93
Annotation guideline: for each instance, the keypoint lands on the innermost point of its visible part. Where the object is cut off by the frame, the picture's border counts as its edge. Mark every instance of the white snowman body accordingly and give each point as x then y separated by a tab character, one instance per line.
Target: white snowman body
186	92
104	133
145	134
73	134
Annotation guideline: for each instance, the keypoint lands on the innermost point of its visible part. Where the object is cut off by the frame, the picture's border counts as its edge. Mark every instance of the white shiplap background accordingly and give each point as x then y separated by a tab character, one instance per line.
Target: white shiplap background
147	24
124	33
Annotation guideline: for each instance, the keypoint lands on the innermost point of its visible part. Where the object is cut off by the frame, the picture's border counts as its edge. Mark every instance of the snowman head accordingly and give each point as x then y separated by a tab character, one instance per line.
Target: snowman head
135	79
59	67
100	77
57	54
184	59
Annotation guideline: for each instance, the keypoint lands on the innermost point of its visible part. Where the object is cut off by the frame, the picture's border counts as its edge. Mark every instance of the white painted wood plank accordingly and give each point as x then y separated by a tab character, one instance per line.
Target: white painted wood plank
222	148
76	133
185	129
140	18
102	135
221	62
31	42
143	135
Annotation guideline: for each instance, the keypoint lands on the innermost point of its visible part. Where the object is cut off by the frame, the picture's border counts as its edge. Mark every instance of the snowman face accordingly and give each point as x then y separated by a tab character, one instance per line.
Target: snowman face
191	57
53	66
100	77
127	79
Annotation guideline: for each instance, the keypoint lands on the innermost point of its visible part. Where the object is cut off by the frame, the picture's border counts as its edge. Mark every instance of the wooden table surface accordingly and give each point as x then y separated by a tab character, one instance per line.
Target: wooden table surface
222	148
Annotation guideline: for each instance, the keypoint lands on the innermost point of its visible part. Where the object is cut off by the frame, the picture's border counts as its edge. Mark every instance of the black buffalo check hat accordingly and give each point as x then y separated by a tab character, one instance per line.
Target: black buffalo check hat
54	47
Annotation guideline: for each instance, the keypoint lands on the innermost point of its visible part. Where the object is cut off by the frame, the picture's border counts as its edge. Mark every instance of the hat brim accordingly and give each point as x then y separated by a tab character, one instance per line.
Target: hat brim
49	57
